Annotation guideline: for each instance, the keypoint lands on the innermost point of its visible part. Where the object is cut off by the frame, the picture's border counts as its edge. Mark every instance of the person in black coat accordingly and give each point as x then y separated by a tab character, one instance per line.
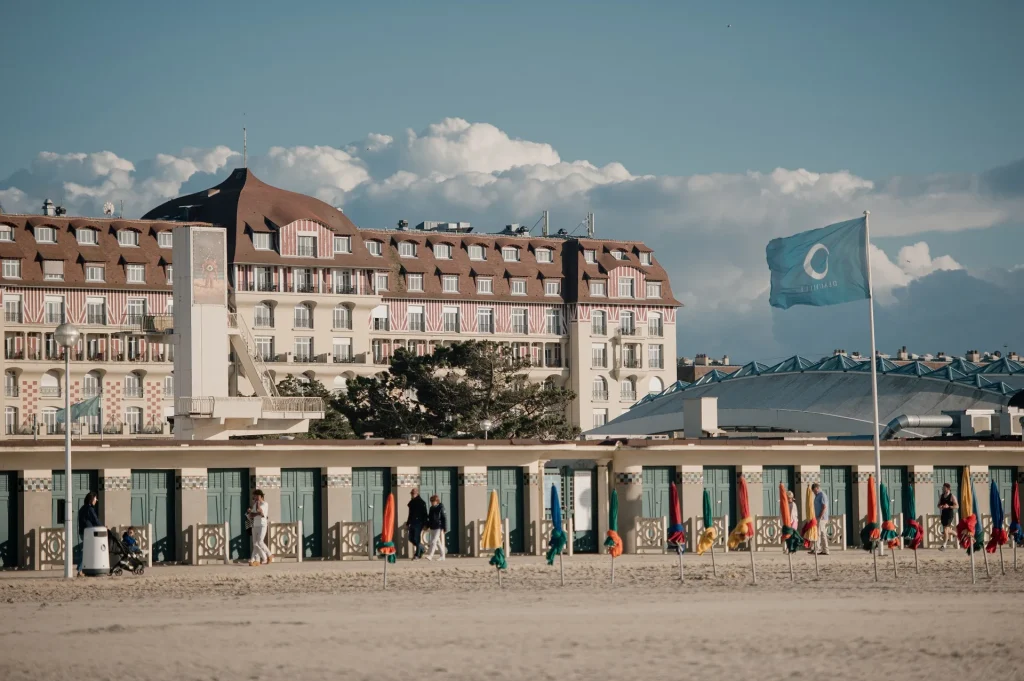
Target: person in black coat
87	517
437	521
417	519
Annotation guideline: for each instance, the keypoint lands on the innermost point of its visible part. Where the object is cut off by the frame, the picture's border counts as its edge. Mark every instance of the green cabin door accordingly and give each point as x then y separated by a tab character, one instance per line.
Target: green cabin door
300	500
1003	476
153	503
895	480
227	499
835	483
370	489
576	490
720	482
771	477
654	499
942	475
82	483
508	483
8	520
444	483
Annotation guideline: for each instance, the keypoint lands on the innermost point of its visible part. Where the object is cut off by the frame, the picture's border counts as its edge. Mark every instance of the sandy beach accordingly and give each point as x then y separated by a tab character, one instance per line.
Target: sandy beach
450	620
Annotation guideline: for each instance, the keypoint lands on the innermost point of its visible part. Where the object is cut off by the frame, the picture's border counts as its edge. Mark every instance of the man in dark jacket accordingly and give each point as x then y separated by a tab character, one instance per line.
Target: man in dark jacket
417	518
437	521
87	517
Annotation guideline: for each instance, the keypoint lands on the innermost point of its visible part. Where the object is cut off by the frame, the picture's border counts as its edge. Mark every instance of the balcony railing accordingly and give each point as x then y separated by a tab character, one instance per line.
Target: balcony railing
53	318
344	359
49	391
655	363
265	286
263	322
599	330
627	331
10	391
598	364
345	289
655	331
304	287
628	396
381	324
12	317
630	362
599	396
133	392
520	329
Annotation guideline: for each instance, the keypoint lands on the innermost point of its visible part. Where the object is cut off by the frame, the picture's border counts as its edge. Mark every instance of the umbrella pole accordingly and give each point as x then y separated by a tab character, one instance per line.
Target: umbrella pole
984	557
895	572
714	567
917	566
1015	556
1002	568
974	576
680	552
874	557
816	564
561	570
385	573
753	570
613	570
499	578
789	554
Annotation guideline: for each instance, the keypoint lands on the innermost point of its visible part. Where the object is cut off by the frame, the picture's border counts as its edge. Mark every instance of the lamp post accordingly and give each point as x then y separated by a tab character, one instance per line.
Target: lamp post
486	425
67	336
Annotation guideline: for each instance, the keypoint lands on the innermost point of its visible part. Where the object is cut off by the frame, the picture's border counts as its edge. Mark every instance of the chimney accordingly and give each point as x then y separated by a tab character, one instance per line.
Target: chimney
902	353
973	356
701	360
1013	356
48	208
725	361
591	227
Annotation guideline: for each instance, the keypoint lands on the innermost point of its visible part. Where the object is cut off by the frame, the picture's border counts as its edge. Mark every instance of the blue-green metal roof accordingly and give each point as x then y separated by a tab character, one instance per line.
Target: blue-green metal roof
912	369
1001	366
794	363
835	363
946	374
882	366
713	376
963	366
751	369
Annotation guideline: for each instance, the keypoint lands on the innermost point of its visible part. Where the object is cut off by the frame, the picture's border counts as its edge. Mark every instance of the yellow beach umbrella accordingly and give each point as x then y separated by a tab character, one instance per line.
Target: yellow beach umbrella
491	538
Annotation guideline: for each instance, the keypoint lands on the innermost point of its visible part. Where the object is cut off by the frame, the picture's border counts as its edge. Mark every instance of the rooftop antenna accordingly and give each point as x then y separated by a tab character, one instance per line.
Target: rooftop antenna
120	215
245	148
544	231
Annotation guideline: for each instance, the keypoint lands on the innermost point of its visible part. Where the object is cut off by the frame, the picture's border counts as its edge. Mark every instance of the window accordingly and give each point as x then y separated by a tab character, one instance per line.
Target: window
590	256
518	287
132	385
599	322
631	356
303	349
136	274
12	309
136	310
10	420
95	272
654	325
619	254
96	311
626	287
262	241
443	251
552	287
544	255
627	324
128	237
54	310
519	324
53	270
485	320
12	268
380	281
10	384
552	355
654	289
46	235
417	318
450	283
93	384
375	248
600	417
342	318
342	244
656	386
553	321
380	318
169	385
598	288
342	349
414	282
165	239
265	348
407	249
645	258
450	319
302	279
86	236
654	353
303	316
627	391
377	348
477	252
599	389
263	316
169	271
305	247
50	420
134	348
133	419
510	254
264	277
598	356
484	285
6	233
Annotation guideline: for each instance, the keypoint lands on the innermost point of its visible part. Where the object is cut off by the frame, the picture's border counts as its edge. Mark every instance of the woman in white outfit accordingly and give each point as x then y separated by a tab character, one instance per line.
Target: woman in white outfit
437	523
259	514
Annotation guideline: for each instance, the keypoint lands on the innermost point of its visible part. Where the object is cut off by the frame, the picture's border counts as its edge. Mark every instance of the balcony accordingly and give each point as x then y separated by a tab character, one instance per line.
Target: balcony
53	318
381	324
49	391
13	317
344	359
655	363
92	391
520	329
133	392
261	322
304	287
54	355
628	397
10	391
599	330
628	331
96	319
630	363
599	396
656	331
345	289
265	286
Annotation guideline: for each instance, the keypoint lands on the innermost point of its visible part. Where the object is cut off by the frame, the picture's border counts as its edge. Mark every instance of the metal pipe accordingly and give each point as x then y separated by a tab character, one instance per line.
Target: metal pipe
904	421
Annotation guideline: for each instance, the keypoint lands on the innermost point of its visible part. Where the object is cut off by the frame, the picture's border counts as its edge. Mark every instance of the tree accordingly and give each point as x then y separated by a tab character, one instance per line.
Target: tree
451	392
333	426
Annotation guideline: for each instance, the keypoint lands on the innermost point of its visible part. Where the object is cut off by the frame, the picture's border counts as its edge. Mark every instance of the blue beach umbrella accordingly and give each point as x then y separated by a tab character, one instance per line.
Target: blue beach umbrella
558	539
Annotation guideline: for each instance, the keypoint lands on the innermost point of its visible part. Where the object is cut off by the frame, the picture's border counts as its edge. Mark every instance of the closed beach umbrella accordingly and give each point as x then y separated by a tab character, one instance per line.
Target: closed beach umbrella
744	529
612	540
913	533
965	529
491	538
888	533
810	527
676	533
1016	531
558	539
791	539
871	532
386	545
999	536
708	536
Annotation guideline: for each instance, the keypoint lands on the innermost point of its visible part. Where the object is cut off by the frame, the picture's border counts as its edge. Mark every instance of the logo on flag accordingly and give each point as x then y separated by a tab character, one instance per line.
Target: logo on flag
826	266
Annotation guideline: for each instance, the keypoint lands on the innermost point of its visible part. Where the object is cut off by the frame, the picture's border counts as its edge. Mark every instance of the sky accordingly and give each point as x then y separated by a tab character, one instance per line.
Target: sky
705	129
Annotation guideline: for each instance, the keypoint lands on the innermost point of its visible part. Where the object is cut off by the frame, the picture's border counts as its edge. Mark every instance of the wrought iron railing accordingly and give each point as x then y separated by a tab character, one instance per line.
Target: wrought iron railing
235	321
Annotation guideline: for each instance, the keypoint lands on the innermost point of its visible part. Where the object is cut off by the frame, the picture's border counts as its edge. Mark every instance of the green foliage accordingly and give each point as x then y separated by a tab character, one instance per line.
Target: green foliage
451	392
333	426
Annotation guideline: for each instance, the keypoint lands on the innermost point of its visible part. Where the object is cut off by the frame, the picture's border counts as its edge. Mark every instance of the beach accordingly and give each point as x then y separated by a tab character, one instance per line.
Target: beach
320	620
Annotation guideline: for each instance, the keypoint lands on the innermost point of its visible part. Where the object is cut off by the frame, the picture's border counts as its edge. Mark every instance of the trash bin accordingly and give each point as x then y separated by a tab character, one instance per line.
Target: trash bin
95	552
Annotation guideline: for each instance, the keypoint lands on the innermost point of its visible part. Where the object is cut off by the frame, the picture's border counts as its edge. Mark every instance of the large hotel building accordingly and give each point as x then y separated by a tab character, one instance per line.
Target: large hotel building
321	299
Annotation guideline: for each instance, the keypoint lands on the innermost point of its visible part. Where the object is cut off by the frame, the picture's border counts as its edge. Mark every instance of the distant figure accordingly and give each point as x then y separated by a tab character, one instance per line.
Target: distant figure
794	513
129	541
87	517
437	521
821	516
947	509
416	521
259	513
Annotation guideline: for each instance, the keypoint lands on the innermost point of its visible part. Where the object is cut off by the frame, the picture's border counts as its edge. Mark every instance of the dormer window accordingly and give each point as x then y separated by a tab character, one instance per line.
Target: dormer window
375	248
46	235
450	283
477	252
510	254
6	233
165	239
306	247
128	237
544	255
654	289
135	274
518	287
342	244
590	256
619	254
553	287
645	258
443	251
86	236
406	249
262	241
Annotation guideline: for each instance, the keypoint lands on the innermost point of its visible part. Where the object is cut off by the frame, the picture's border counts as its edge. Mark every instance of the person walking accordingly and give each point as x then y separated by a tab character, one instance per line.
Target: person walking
260	516
416	520
437	521
947	510
87	517
794	512
821	516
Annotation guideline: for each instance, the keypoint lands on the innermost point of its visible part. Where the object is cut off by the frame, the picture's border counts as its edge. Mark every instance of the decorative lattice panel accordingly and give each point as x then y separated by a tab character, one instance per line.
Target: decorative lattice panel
835	530
355	540
651	534
51	547
211	544
285	541
546	526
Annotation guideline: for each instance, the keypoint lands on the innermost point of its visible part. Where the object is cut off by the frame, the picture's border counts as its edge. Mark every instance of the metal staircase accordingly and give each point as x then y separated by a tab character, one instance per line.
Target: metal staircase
244	345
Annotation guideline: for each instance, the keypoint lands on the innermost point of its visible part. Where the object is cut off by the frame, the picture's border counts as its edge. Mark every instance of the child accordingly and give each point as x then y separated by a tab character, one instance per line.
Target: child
129	541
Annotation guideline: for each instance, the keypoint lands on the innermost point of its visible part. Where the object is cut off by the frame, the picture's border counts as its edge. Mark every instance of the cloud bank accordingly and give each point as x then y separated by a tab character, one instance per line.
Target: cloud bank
709	231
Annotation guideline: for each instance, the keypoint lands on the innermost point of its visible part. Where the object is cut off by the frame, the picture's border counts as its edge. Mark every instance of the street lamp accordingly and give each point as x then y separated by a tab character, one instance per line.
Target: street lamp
67	336
486	425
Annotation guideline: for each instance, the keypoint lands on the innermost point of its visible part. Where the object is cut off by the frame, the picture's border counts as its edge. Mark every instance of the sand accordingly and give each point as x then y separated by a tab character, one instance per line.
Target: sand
449	620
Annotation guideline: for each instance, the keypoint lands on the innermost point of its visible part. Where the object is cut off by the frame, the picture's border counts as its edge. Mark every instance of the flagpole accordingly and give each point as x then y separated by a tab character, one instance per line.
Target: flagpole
874	365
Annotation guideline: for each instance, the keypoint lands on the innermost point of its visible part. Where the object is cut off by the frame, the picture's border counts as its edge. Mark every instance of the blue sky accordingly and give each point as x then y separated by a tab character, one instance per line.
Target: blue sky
703	140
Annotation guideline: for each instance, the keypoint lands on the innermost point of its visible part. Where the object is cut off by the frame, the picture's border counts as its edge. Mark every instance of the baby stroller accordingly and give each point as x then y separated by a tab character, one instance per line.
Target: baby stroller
121	558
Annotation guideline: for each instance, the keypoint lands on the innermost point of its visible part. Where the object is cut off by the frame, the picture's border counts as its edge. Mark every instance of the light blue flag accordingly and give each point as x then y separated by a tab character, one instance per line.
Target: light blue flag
83	409
826	266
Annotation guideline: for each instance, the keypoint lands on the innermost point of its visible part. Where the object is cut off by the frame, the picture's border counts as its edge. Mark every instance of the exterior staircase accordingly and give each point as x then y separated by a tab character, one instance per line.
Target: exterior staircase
244	345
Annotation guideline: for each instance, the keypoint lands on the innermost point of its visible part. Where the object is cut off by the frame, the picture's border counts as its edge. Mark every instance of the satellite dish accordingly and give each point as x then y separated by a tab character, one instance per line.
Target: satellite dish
108	208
